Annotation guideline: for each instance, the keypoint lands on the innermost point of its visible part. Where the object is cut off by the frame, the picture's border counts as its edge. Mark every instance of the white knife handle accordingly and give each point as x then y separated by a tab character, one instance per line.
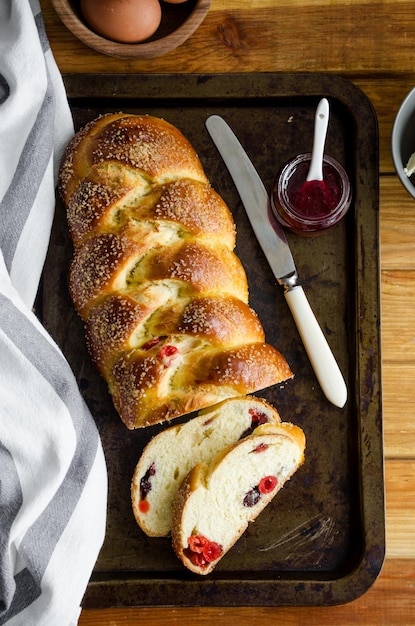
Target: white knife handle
321	357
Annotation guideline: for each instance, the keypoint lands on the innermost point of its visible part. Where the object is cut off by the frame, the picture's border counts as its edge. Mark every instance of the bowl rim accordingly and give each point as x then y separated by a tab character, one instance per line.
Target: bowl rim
397	130
143	50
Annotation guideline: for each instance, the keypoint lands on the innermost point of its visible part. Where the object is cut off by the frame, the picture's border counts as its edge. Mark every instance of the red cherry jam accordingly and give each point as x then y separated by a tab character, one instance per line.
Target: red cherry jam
310	207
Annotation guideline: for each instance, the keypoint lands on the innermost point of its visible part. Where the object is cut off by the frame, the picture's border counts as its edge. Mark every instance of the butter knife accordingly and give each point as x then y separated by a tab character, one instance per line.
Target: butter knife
273	242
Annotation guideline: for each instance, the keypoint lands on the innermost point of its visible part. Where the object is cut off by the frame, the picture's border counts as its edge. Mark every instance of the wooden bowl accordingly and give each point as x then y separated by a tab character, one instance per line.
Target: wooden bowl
178	23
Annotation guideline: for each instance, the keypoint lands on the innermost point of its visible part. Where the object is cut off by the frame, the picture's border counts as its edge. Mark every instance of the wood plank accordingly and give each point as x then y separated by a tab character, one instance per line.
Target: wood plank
397	232
397	226
398	361
398	409
389	602
398	316
247	36
400	509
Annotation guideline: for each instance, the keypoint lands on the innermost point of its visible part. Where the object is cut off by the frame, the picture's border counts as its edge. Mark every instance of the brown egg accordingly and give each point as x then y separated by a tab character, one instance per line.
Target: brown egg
126	21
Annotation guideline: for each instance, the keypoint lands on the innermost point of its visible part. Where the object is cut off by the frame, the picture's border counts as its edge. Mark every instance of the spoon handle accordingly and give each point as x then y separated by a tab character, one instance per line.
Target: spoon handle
320	131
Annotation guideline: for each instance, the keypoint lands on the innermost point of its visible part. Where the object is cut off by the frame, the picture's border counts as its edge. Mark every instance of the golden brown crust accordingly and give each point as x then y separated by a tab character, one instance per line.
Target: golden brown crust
90	208
195	207
98	267
204	269
223	320
286	429
147	144
154	269
149	383
247	368
110	327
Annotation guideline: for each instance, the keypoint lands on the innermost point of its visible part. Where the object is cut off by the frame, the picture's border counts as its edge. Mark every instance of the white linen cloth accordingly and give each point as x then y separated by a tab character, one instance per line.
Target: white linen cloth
53	481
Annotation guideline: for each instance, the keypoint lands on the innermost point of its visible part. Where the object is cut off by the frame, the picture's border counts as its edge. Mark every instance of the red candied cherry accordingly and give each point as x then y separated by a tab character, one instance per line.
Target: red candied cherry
201	551
197	543
196	558
212	551
267	484
261	448
258	417
151	343
167	354
144	506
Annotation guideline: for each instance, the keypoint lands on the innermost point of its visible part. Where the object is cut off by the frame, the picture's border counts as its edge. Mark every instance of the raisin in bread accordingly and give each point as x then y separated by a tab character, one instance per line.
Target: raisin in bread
217	500
170	455
154	276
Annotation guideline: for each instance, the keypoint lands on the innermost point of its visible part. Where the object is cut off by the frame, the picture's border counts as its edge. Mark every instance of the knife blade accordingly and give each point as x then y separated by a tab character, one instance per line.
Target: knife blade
274	244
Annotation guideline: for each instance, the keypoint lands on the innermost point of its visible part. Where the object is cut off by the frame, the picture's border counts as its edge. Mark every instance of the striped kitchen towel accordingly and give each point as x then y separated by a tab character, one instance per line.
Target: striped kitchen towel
53	481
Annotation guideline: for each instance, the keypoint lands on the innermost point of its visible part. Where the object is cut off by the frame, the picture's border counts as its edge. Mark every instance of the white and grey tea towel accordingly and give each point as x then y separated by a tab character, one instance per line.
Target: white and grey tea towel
53	480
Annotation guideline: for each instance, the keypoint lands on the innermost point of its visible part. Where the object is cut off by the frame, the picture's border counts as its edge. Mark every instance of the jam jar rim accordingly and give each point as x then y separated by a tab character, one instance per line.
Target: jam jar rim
329	218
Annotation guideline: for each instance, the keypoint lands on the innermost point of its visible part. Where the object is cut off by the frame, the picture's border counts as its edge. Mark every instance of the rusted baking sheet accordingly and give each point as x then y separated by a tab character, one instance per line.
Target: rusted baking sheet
322	540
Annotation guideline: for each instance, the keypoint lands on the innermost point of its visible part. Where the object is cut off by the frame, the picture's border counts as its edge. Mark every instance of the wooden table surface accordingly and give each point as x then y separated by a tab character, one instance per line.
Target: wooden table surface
372	44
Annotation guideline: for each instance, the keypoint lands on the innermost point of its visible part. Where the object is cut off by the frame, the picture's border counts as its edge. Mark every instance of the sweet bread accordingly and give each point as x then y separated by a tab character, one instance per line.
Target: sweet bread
217	500
170	455
154	276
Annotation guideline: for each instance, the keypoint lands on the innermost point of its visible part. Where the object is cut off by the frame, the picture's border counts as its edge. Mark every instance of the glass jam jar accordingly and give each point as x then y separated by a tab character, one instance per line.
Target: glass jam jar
310	208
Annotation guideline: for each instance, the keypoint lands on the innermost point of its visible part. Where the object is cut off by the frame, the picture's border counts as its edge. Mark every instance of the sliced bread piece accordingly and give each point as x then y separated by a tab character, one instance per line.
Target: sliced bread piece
217	500
170	455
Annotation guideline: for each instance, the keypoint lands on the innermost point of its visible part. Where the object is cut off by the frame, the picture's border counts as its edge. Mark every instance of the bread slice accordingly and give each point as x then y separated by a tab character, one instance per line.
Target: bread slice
170	455
217	500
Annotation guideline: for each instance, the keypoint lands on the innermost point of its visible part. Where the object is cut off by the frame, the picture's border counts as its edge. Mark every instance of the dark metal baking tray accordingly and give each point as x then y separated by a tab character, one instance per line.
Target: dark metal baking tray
322	540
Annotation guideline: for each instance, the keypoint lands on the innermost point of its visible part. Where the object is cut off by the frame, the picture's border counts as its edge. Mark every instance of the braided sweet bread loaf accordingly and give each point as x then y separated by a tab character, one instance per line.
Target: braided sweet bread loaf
154	275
